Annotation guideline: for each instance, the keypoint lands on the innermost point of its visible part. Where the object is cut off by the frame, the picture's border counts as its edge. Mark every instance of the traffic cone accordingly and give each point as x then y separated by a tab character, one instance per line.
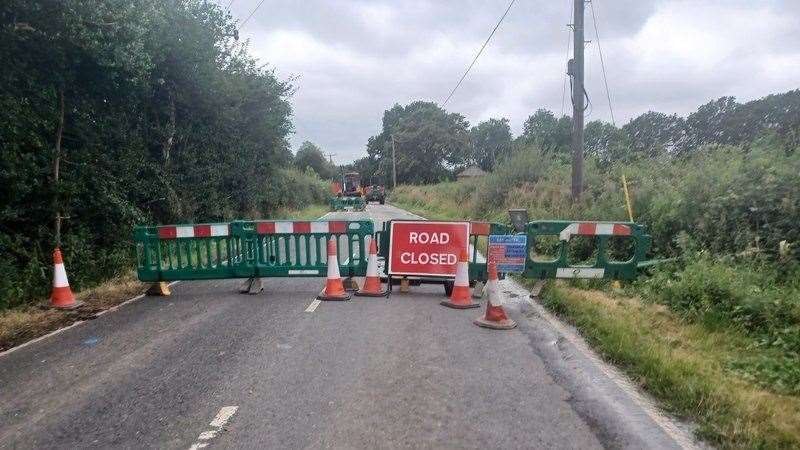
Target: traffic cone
372	283
495	317
461	297
61	297
334	288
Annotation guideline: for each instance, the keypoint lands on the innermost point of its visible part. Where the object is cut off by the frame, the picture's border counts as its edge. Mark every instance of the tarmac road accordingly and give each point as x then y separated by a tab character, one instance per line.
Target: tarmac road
208	367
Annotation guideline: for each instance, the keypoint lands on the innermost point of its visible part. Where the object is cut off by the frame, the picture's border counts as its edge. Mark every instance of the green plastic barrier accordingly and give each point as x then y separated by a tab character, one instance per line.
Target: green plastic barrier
246	249
575	249
299	249
345	203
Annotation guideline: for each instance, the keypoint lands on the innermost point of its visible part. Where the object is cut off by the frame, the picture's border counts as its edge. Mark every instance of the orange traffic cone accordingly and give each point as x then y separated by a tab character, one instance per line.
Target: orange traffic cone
334	288
495	317
61	297
372	283
461	297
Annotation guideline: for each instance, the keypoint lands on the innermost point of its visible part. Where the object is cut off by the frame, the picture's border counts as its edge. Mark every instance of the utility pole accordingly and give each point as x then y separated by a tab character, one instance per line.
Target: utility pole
330	157
575	70
394	165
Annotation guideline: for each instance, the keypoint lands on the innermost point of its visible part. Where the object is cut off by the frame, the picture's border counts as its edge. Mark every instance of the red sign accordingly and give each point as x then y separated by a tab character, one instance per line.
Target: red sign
427	248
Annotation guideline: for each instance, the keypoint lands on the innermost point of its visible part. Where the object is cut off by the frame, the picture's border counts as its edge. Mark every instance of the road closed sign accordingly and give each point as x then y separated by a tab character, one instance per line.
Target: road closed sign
427	248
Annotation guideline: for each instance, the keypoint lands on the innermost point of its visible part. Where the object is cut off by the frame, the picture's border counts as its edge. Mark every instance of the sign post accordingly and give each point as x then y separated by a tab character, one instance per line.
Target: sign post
423	248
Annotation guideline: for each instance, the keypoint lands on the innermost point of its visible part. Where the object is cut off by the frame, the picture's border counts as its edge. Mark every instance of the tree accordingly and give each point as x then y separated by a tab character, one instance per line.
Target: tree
605	142
429	142
309	155
491	142
711	123
548	133
654	134
165	118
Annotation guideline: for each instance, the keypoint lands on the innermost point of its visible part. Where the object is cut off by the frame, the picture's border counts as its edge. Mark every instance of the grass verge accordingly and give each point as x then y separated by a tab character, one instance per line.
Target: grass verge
24	323
19	325
685	366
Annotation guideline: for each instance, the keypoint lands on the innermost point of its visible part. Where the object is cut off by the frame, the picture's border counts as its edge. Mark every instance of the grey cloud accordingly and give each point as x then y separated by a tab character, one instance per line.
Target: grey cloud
354	59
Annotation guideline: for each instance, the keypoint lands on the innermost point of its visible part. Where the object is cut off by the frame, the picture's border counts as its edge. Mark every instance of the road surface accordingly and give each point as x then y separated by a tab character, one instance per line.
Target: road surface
211	368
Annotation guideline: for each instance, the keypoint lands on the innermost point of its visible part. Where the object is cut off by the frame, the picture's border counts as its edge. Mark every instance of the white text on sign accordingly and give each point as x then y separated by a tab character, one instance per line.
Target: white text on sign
427	248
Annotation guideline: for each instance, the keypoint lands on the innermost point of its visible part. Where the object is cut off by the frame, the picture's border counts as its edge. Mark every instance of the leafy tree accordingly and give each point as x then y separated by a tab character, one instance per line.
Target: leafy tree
604	141
150	111
491	141
429	142
309	155
653	134
712	123
552	135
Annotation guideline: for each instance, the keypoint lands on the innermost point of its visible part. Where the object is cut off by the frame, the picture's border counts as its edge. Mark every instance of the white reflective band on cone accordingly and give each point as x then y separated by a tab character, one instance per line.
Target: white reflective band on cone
372	266
493	293
333	267
60	276
462	274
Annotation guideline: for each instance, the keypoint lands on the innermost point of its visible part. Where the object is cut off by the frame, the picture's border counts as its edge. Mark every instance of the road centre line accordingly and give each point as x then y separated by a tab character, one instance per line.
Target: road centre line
220	420
313	306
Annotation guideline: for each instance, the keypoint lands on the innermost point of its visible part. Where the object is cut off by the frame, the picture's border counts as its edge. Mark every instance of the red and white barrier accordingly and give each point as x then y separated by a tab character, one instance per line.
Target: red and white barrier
290	227
594	229
271	227
192	231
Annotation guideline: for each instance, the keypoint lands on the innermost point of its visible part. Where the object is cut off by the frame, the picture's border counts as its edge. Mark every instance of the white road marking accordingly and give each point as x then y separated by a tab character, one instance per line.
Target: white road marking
223	416
220	420
313	305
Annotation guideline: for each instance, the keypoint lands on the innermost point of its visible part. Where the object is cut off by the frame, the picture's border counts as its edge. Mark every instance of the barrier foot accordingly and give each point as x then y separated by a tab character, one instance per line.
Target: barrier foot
245	287
159	289
477	291
350	284
255	286
448	288
537	288
405	288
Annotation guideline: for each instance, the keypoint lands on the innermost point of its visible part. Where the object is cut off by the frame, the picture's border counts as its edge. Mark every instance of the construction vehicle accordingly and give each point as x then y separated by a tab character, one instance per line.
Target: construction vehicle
376	193
350	194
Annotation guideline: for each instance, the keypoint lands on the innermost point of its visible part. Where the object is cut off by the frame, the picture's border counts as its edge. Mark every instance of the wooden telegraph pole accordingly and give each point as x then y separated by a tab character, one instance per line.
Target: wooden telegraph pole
394	165
575	70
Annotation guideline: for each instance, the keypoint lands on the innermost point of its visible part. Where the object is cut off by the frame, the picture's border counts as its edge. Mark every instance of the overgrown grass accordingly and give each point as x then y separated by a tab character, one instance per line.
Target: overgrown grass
23	323
310	212
686	366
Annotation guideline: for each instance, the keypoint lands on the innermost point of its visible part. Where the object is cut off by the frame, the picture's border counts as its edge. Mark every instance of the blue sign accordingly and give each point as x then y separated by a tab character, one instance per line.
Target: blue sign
508	252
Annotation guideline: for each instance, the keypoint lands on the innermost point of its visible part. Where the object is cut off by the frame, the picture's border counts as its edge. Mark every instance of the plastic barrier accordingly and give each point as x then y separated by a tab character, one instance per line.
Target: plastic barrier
574	249
246	249
345	203
299	249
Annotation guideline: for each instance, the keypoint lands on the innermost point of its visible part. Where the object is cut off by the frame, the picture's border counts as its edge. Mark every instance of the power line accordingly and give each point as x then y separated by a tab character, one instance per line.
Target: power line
602	63
251	14
479	53
228	8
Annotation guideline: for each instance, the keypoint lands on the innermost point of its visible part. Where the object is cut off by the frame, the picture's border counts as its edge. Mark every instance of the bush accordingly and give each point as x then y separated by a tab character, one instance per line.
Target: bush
753	297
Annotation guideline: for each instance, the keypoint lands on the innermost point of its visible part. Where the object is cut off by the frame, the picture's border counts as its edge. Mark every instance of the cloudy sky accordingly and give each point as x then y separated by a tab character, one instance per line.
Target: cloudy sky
351	60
